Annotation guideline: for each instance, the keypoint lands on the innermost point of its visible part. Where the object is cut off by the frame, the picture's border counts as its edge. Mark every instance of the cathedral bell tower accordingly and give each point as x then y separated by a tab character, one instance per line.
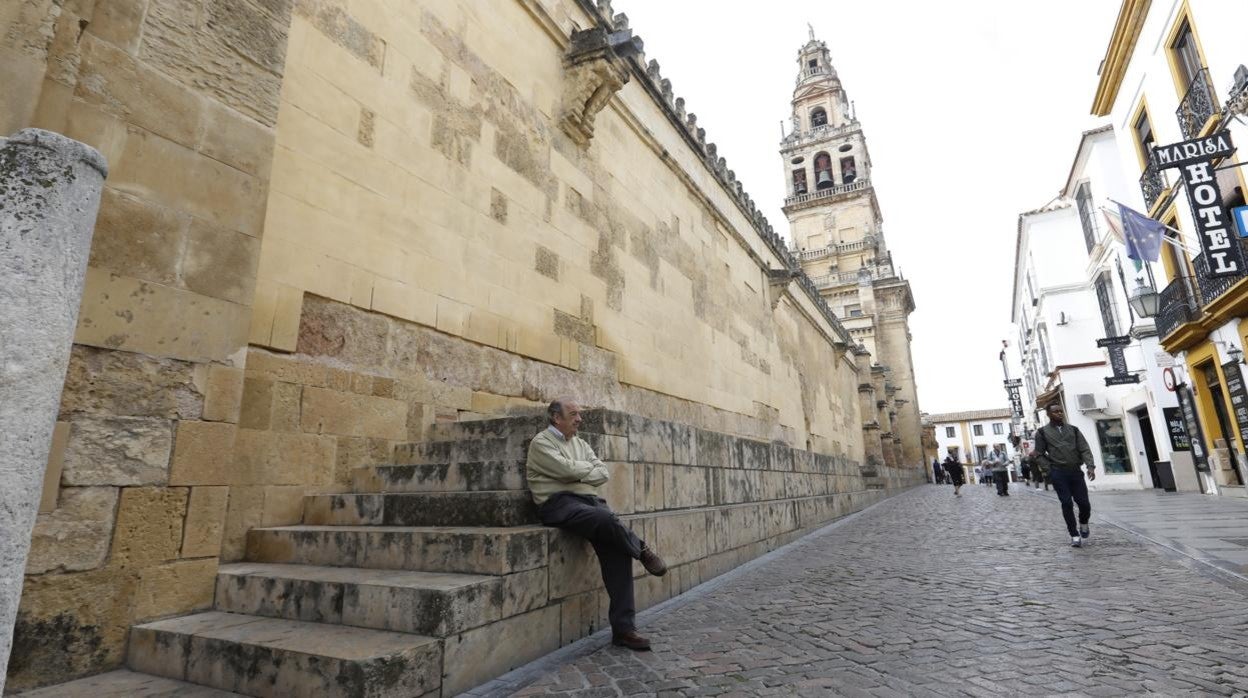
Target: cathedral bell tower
835	228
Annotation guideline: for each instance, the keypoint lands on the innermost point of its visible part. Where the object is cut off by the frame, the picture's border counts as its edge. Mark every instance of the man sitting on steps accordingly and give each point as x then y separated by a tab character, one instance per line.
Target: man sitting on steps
564	476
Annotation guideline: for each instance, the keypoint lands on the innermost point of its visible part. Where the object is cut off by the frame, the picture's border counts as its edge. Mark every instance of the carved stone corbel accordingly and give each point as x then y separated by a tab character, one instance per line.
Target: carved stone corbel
595	68
778	281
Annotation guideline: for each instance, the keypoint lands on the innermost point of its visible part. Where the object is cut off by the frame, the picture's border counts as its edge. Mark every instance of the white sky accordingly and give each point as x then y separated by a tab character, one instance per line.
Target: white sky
972	110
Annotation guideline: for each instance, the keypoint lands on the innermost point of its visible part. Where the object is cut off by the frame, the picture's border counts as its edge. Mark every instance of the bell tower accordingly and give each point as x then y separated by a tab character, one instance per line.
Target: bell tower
836	229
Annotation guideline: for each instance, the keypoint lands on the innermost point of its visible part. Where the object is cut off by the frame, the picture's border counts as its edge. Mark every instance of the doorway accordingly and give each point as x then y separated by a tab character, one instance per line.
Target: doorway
1150	445
1223	416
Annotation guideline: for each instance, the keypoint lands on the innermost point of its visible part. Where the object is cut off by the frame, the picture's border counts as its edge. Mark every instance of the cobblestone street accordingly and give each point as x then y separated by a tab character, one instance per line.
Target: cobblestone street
928	594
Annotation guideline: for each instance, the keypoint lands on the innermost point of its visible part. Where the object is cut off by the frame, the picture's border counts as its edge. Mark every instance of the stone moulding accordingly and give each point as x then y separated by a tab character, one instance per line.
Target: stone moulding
660	90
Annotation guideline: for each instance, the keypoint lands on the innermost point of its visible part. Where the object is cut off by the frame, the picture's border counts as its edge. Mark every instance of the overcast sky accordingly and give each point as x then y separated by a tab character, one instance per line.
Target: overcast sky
972	110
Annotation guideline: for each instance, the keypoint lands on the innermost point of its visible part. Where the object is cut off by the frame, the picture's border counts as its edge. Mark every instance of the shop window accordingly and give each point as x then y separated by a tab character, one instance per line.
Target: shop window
818	117
849	172
1113	442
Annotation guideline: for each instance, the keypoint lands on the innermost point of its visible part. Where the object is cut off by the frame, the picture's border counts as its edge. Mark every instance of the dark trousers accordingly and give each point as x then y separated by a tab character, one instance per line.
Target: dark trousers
1003	482
1069	484
616	546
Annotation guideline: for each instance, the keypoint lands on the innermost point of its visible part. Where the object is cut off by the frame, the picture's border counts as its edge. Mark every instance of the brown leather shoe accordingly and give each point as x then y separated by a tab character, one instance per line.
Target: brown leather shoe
631	640
653	563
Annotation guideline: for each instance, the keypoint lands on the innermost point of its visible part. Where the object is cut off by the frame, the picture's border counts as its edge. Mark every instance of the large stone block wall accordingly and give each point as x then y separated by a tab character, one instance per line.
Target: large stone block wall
182	100
331	224
468	210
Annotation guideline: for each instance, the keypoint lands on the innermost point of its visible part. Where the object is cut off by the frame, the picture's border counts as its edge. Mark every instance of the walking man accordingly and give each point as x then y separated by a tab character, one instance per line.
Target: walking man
564	477
1061	450
1000	466
954	470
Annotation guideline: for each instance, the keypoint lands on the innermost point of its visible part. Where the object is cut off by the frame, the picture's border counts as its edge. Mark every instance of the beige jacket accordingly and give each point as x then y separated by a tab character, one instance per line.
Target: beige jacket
556	465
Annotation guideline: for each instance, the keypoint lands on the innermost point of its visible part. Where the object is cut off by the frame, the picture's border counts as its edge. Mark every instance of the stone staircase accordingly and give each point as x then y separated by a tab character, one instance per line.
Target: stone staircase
360	599
432	575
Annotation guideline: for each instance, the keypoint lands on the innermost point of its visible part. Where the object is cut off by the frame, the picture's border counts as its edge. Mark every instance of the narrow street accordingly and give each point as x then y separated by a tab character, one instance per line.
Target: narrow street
927	594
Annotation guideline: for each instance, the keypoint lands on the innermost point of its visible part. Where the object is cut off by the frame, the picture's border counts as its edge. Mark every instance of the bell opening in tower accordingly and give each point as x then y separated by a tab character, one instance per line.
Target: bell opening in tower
818	117
823	171
848	171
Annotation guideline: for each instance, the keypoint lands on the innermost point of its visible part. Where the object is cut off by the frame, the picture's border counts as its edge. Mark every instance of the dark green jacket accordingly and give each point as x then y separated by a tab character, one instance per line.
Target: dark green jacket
1061	447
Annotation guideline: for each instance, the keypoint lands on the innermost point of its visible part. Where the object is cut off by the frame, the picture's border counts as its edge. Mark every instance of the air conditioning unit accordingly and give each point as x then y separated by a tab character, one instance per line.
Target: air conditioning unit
1090	402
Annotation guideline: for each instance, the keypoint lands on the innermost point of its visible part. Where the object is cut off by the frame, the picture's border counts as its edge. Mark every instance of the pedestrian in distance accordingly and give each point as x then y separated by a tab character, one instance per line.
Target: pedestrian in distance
938	475
1060	450
999	465
953	469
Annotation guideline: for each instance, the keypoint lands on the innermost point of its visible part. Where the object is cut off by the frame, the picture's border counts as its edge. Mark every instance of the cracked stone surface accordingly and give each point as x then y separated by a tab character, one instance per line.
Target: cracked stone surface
928	595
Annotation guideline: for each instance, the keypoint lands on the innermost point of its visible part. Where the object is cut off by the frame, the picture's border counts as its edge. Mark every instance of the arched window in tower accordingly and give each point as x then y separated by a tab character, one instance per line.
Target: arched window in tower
823	171
818	117
849	172
799	180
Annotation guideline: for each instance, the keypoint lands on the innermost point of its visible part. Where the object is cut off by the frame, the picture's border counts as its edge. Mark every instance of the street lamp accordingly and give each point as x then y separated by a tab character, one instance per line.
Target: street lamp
1145	299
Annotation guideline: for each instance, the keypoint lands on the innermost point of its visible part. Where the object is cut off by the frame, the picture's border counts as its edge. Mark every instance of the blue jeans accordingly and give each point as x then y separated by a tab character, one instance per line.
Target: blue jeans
1069	484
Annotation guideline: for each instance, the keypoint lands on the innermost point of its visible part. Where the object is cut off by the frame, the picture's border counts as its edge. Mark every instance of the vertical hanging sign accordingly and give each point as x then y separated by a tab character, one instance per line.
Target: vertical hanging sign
1016	403
1194	159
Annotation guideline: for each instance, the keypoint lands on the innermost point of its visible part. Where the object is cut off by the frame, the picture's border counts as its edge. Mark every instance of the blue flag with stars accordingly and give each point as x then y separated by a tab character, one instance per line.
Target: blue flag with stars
1142	235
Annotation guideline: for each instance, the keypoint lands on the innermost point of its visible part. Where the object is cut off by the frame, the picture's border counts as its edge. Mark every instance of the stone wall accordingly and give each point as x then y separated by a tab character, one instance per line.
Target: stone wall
329	226
182	99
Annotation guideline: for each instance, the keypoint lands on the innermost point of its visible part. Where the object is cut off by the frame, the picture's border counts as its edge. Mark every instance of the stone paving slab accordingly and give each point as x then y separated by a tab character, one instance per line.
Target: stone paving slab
926	594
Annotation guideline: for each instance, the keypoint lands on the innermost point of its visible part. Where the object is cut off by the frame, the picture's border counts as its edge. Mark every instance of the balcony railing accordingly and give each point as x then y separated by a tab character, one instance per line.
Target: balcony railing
846	278
826	193
1197	104
1210	287
1152	184
1177	306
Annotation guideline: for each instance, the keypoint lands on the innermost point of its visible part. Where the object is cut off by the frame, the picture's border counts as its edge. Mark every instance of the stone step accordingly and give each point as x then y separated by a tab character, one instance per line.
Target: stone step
277	657
466	550
424	603
128	684
463	450
491	508
441	477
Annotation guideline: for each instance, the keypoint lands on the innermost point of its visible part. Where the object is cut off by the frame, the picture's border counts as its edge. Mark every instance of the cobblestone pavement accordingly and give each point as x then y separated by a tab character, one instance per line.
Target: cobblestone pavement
926	594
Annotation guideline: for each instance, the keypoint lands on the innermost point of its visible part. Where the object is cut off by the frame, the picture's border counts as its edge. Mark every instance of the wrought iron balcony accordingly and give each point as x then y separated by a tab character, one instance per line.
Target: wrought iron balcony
1211	288
1152	184
1197	104
1178	306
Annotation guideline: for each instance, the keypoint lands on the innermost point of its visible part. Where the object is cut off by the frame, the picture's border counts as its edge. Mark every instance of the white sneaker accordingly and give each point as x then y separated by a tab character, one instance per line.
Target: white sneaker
1076	542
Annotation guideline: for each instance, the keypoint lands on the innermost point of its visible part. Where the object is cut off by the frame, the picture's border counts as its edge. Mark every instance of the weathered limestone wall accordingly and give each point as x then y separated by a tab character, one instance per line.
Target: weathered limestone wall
181	98
331	224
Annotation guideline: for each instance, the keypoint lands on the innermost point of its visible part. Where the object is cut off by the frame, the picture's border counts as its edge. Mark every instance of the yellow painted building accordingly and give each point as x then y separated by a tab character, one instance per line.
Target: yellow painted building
1173	72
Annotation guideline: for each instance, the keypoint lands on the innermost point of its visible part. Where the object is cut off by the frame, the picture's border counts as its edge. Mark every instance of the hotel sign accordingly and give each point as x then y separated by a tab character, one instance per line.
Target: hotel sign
1194	159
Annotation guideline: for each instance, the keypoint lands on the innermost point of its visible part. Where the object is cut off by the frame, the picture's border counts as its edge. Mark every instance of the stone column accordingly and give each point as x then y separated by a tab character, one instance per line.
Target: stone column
49	196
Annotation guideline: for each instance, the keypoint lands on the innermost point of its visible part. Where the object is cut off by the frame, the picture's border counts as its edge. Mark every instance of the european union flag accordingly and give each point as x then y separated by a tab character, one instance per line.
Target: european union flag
1141	234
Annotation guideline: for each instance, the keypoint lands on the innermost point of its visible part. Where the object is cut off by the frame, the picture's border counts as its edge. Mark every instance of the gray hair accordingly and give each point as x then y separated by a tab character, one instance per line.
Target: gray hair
554	410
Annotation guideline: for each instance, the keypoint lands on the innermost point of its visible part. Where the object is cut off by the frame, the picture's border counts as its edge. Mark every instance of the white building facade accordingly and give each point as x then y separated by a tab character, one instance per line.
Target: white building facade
1174	72
1071	287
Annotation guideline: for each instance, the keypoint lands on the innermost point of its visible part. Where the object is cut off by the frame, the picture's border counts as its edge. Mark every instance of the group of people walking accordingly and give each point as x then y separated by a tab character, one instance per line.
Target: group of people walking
1056	459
